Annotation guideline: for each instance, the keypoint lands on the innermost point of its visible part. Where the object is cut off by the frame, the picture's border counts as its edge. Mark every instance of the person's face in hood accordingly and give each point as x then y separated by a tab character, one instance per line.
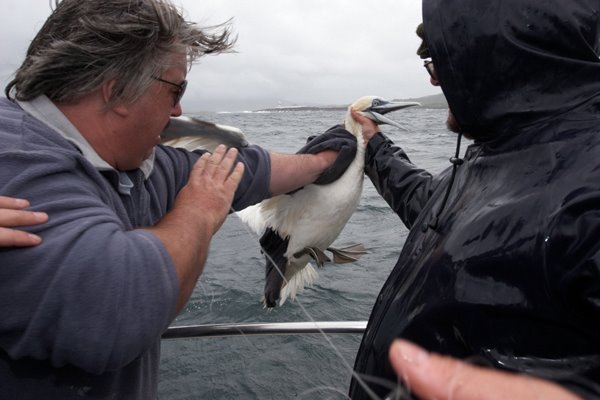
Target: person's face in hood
506	66
451	122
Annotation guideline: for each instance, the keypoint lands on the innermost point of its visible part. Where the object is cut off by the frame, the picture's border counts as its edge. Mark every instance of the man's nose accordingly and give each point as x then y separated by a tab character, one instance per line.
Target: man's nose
177	111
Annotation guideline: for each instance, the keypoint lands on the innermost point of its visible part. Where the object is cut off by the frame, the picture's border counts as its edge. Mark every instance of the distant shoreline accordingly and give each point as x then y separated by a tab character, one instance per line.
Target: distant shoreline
433	101
303	108
436	101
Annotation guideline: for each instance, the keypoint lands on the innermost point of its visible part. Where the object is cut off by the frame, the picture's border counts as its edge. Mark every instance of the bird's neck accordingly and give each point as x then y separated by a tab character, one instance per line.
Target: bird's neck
355	128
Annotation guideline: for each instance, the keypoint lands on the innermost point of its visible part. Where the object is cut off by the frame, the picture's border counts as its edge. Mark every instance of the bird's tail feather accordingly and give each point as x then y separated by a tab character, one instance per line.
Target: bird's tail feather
305	277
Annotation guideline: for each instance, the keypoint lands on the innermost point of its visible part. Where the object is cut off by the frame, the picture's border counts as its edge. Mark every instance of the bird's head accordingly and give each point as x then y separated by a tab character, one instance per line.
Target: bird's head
375	108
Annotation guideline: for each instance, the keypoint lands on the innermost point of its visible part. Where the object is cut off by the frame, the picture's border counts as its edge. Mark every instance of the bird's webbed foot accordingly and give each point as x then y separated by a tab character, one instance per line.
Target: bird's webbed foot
317	254
347	254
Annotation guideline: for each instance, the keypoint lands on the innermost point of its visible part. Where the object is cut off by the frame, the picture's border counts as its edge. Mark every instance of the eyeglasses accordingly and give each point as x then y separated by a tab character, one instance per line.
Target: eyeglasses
181	88
428	64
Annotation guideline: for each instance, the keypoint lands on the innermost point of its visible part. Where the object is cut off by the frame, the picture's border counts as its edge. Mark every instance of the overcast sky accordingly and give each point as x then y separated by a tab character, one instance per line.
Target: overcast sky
288	51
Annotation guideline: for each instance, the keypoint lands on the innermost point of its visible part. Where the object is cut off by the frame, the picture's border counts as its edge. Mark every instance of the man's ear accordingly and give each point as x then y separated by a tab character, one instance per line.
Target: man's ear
107	89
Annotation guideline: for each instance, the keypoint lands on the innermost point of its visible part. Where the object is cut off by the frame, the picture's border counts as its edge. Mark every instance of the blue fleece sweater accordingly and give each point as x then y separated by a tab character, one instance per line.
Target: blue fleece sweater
82	313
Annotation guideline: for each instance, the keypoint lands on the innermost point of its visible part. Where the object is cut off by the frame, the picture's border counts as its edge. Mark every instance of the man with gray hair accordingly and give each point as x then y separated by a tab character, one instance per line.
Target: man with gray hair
130	220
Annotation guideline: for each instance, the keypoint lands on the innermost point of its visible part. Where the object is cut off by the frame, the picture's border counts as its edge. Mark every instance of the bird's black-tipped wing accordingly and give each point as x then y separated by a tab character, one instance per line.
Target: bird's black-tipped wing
273	247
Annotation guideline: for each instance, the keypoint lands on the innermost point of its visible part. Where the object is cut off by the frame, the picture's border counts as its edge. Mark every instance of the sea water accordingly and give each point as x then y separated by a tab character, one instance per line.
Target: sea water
307	366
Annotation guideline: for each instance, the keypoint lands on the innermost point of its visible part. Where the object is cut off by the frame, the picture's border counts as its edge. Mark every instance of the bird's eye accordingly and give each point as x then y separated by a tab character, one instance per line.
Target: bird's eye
376	102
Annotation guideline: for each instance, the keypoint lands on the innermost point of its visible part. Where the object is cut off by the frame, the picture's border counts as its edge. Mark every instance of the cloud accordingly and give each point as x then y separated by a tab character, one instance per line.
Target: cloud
301	52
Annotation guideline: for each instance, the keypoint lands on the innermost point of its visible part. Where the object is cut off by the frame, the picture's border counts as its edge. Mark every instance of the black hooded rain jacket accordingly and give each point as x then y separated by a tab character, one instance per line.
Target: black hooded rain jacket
509	276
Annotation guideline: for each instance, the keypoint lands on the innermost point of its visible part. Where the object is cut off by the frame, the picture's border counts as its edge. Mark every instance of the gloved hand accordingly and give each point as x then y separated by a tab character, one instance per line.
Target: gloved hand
335	138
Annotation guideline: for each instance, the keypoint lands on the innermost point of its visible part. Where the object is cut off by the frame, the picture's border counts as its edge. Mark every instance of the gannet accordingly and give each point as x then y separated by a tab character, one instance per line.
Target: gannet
301	225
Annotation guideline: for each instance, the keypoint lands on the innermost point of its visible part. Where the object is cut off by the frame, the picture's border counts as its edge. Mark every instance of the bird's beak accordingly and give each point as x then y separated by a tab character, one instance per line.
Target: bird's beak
377	111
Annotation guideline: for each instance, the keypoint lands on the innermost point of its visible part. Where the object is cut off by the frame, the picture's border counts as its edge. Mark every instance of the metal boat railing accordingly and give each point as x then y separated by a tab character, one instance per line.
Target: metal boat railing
279	328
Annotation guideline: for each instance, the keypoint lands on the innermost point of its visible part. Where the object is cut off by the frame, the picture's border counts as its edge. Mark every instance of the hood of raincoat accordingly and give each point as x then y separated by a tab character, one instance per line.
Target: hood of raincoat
505	65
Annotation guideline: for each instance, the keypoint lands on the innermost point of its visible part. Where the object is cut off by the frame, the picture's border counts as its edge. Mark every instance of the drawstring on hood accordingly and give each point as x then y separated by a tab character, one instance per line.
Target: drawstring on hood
456	161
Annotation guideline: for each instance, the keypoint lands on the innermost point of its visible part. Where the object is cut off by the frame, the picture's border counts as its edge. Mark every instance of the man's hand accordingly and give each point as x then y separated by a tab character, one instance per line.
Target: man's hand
338	146
12	214
199	211
432	376
322	160
211	187
369	127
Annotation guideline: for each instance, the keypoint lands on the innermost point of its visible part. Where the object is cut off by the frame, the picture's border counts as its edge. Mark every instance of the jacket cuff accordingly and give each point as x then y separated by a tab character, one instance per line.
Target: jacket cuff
375	143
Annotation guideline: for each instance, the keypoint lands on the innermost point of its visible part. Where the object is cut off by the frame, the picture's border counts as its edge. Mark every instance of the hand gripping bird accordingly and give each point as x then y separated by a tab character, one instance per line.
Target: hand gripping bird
300	226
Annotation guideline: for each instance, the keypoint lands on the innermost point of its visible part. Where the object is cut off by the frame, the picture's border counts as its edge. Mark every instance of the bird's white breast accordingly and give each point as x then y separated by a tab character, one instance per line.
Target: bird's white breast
315	215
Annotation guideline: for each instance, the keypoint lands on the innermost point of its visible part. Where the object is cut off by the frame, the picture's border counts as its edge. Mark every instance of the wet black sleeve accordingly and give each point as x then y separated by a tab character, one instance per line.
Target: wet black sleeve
404	186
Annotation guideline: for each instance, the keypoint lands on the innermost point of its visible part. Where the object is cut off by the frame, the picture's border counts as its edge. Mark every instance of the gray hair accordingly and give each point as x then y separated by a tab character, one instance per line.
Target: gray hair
85	43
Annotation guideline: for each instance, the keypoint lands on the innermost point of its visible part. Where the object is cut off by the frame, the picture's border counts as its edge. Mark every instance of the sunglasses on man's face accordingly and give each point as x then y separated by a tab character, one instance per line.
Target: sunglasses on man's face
181	88
428	64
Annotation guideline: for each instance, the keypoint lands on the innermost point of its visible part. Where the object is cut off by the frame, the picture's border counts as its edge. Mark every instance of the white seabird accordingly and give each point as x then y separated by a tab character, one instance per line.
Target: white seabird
302	225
